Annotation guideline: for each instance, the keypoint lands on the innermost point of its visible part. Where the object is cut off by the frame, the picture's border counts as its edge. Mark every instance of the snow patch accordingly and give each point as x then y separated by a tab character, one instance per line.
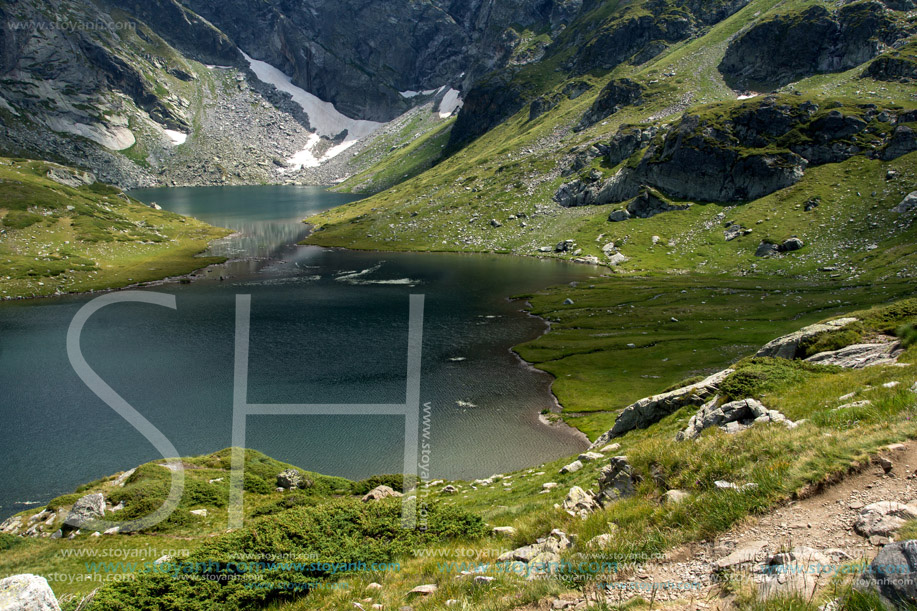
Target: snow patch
451	101
747	96
176	137
323	116
414	94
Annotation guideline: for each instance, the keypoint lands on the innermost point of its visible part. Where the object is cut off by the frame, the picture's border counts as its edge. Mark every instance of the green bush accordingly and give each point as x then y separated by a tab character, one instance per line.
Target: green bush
759	375
18	219
8	542
256	485
341	531
62	501
907	334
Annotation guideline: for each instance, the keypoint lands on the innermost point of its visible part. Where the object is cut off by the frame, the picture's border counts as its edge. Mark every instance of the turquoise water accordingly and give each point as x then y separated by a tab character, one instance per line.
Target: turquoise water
327	326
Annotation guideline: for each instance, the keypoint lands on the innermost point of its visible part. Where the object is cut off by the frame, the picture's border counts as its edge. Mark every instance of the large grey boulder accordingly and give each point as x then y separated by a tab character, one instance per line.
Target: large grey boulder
652	409
787	347
579	502
858	356
89	508
27	593
908	204
648	204
540	558
883	518
70	178
893	574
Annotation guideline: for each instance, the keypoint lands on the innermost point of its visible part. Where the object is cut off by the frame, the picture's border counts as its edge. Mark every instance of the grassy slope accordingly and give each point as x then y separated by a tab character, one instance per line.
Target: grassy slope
780	461
58	239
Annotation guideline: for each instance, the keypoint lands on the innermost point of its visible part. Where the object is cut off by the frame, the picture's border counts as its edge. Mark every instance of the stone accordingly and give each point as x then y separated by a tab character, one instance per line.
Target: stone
450	489
162	560
199	512
908	204
617	259
883	518
616	481
600	541
290	479
590	457
495	223
27	592
70	178
766	249
787	346
797	572
611	447
791	245
858	356
732	232
650	410
380	492
425	590
114	530
374	586
572	467
549	485
579	502
675	497
751	553
504	531
87	509
648	204
568	301
482	580
893	574
619	215
732	417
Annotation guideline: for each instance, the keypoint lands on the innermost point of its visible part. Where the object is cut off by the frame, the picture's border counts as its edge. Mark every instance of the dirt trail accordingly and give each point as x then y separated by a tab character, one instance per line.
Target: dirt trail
686	577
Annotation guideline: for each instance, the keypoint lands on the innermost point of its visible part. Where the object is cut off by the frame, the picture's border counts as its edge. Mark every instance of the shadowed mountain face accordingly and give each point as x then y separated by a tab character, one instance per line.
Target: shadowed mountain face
361	54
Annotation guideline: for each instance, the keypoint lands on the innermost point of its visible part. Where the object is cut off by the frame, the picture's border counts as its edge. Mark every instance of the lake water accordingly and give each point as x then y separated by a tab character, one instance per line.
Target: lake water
327	326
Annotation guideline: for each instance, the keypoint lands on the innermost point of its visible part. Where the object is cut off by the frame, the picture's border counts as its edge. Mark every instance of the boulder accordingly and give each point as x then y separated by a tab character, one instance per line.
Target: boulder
652	409
379	493
794	573
884	518
27	593
617	259
787	347
87	509
893	574
791	245
732	417
766	249
590	456
572	467
450	489
70	178
504	531
615	95
858	356
290	479
908	204
425	590
579	502
616	481
618	215
750	553
902	142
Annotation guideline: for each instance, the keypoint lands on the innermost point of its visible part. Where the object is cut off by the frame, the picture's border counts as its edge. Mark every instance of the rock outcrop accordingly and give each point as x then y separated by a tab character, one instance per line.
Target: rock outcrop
617	481
792	46
380	492
649	410
292	479
858	356
87	509
898	65
731	417
27	593
617	93
539	558
788	346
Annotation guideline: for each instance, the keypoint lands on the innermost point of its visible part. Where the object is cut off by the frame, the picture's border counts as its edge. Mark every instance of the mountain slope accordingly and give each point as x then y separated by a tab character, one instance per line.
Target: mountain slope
503	191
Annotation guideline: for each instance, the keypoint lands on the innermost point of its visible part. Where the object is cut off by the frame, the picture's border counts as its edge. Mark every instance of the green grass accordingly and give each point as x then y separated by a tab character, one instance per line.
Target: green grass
57	239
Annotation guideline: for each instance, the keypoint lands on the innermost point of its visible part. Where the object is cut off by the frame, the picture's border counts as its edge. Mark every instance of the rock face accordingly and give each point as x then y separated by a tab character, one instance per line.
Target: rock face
792	46
652	409
898	65
380	492
617	93
859	356
741	152
27	593
787	347
732	417
85	510
893	574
